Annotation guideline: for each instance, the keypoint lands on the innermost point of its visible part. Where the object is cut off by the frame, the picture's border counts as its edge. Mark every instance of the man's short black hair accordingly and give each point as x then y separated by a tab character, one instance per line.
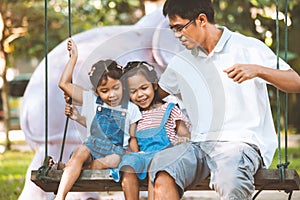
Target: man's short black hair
189	9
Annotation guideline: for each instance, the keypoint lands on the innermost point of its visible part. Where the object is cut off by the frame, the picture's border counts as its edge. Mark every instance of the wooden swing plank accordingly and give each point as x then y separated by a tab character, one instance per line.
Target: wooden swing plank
89	181
99	180
268	179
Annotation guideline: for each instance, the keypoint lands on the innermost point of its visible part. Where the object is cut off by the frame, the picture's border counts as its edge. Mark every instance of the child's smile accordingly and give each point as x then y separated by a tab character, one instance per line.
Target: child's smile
110	91
141	91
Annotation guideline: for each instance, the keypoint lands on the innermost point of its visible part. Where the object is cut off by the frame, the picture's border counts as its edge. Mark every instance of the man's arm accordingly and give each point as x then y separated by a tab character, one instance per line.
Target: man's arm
161	93
285	80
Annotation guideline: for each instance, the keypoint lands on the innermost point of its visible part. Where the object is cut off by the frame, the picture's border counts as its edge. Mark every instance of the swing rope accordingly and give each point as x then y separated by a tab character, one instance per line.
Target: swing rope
67	119
278	93
281	166
46	82
43	170
286	94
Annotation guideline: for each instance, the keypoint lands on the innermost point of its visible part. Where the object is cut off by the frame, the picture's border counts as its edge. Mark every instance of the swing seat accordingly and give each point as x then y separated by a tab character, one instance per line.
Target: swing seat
99	180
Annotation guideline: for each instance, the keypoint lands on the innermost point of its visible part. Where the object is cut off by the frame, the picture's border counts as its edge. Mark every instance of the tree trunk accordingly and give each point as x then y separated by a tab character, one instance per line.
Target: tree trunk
6	110
4	93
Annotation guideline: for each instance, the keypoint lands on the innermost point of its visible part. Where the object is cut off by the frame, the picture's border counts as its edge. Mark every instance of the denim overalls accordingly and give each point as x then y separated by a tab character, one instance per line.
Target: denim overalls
150	141
107	131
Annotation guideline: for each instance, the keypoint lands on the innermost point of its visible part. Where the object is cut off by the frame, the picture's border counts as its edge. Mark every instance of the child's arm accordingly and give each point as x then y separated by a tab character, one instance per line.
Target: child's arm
133	143
183	132
73	113
65	83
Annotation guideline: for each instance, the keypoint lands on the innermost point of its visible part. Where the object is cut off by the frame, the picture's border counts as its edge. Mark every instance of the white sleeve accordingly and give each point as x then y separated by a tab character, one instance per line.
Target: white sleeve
88	108
264	56
168	81
134	113
270	59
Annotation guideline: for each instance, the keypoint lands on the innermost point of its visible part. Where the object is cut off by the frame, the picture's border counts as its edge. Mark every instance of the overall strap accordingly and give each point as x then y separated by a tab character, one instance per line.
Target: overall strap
167	114
124	103
99	101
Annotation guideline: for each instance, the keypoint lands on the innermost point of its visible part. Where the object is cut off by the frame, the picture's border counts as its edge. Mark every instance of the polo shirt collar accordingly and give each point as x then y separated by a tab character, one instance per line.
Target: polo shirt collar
220	45
224	38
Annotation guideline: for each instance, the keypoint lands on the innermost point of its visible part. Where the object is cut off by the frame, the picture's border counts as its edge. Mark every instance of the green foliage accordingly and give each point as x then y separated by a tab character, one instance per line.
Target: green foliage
13	166
235	15
84	15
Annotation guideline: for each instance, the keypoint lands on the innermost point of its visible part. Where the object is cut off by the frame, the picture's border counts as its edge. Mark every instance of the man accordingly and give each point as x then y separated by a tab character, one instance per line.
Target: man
222	78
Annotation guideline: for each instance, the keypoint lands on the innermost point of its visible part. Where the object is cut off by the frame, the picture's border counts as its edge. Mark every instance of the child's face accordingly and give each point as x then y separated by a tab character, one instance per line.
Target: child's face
110	91
141	91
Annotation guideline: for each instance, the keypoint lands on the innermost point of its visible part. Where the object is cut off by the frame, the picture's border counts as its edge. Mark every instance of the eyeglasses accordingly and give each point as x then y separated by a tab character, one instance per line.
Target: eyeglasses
178	28
137	64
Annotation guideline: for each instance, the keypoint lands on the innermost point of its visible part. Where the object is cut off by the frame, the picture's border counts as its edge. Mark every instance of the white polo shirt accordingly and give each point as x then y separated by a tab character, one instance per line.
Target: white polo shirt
219	108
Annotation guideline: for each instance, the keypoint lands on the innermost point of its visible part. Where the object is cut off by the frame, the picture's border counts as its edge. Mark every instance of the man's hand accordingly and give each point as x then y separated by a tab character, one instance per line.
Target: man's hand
242	72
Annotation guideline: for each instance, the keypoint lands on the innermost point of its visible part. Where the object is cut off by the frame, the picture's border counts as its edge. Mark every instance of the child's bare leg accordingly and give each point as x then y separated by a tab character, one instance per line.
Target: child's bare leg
150	190
109	161
72	171
130	183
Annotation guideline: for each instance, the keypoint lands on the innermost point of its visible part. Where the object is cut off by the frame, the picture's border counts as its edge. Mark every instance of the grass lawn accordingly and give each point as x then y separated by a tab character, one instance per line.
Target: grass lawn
13	166
293	158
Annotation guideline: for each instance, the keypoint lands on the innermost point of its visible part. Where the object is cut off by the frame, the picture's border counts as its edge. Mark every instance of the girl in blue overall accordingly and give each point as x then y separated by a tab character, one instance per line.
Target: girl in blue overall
107	131
162	125
114	116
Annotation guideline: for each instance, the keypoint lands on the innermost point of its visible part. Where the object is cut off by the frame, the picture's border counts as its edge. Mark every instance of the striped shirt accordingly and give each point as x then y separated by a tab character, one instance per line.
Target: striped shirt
152	118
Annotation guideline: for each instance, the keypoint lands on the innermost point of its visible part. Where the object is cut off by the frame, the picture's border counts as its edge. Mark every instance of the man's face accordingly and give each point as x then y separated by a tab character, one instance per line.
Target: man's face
185	30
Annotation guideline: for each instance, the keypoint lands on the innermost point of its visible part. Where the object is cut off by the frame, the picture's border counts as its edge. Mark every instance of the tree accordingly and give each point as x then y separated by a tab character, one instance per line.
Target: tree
85	15
9	31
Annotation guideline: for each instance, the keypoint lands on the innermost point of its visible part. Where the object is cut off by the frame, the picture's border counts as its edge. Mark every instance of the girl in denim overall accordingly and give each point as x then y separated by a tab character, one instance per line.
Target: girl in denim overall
104	147
157	130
